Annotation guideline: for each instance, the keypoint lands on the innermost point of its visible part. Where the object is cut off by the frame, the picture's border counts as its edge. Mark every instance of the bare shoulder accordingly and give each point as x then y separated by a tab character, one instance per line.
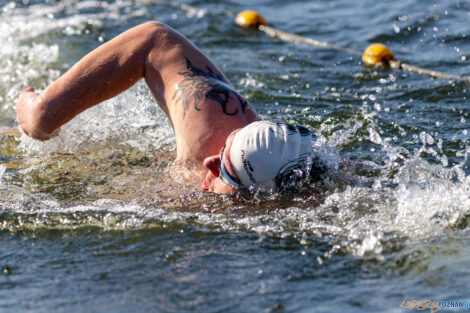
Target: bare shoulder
201	83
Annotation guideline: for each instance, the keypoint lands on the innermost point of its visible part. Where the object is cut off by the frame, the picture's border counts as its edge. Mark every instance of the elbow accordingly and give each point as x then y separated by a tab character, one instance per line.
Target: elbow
154	38
155	30
154	26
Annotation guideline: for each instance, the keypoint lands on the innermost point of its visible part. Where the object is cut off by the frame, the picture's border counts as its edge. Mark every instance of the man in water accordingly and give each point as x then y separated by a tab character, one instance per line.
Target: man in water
218	134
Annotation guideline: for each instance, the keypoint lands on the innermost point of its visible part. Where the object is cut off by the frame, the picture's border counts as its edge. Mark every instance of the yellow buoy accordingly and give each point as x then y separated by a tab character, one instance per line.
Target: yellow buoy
377	54
250	19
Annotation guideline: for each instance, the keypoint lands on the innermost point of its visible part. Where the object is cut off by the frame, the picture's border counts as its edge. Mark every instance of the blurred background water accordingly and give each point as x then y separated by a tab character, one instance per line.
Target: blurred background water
91	222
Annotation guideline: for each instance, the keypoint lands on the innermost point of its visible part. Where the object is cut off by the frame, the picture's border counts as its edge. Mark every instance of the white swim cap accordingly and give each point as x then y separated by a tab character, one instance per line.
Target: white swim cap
265	154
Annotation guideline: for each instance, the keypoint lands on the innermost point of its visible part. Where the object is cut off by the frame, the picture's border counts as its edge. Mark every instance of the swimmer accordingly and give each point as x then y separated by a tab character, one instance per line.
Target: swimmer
219	137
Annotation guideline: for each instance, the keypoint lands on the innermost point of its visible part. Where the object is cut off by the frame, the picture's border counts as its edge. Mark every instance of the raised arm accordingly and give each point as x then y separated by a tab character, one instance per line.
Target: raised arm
103	73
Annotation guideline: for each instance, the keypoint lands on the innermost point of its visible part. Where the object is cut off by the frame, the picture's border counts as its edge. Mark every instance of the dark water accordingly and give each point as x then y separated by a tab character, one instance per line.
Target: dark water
91	221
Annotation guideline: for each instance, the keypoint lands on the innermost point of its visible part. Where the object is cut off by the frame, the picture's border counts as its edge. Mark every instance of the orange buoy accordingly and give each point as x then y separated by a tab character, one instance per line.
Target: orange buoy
377	54
250	19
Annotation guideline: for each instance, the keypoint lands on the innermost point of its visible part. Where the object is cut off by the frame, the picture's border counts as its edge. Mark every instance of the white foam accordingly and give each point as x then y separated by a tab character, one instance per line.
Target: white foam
430	197
426	200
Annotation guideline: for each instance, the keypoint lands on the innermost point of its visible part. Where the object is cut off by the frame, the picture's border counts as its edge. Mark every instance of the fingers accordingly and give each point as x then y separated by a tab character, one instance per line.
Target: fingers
28	91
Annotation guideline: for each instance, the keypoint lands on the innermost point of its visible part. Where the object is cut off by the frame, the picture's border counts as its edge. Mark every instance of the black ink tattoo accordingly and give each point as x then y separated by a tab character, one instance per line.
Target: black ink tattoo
198	84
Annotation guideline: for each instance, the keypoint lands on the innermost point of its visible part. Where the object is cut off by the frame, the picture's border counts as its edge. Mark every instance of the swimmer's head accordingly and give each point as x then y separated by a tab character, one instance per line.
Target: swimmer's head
266	154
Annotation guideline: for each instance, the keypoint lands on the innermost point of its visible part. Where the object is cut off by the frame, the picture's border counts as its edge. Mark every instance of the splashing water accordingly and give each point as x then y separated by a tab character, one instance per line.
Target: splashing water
131	118
428	197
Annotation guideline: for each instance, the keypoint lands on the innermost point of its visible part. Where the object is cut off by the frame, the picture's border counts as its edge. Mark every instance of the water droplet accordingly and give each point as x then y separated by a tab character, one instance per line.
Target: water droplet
429	139
2	171
6	270
374	136
444	161
404	18
396	28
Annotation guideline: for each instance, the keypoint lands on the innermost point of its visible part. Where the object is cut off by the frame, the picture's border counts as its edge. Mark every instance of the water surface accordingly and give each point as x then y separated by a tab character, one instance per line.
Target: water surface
92	220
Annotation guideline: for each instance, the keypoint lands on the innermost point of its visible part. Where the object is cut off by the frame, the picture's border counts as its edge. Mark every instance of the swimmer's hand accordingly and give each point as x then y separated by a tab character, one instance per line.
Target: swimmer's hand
29	113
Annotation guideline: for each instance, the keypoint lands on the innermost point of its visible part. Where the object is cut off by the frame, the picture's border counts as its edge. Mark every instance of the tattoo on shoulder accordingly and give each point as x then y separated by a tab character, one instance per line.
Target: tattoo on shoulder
199	84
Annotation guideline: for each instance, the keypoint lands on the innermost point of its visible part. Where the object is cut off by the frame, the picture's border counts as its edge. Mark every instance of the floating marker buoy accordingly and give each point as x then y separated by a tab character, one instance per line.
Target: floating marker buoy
377	54
250	19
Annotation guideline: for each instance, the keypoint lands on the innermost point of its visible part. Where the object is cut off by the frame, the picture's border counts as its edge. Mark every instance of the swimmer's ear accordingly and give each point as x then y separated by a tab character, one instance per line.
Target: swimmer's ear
212	163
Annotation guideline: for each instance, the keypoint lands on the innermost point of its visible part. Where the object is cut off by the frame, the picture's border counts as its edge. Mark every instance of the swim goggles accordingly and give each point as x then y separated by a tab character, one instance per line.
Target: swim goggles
225	177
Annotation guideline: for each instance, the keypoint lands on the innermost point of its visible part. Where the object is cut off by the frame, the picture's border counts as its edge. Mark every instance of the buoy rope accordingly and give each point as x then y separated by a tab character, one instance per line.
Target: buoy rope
284	36
419	70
